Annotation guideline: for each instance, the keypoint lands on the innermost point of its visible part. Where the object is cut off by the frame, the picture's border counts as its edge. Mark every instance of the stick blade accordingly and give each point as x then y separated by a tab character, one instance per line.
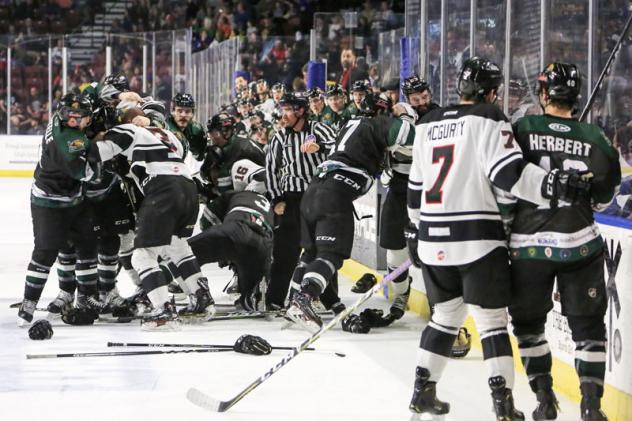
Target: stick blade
203	400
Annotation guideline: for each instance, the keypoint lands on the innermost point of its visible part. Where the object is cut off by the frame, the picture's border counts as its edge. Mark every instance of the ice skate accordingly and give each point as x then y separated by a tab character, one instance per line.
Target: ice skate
201	306
176	291
302	313
162	319
91	302
424	398
63	301
547	402
591	403
503	401
25	313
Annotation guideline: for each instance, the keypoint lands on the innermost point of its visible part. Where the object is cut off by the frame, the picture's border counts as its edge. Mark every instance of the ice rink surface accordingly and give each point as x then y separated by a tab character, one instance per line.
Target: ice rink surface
373	382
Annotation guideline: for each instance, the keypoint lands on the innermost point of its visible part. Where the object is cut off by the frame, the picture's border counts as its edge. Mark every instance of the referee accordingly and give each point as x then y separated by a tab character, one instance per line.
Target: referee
289	169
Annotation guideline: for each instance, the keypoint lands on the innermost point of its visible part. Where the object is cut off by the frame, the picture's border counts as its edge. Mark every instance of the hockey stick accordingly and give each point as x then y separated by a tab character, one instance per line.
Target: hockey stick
128	344
123	353
207	402
606	69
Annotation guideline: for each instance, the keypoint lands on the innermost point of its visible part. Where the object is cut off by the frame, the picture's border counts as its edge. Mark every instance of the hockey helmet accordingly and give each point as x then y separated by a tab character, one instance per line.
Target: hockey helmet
118	80
278	87
294	100
561	82
334	90
478	76
314	93
414	84
221	122
374	104
360	86
183	100
74	106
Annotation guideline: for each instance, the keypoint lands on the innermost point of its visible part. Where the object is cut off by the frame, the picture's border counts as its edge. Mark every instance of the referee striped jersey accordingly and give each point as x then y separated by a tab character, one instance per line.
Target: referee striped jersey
287	168
150	151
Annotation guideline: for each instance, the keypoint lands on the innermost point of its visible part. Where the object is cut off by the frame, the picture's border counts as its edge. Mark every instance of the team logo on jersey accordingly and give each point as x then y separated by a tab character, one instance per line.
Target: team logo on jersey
531	251
592	292
440	255
548	252
76	145
558	127
583	250
565	254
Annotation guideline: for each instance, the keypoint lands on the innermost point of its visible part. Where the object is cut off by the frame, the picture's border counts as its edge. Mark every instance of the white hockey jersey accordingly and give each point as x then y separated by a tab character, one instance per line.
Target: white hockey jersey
460	154
150	151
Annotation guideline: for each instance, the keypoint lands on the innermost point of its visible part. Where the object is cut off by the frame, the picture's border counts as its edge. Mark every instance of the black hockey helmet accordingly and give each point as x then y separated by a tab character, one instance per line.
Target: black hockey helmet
414	84
221	122
118	80
294	100
561	81
74	106
334	90
183	100
278	87
374	104
360	86
478	76
314	93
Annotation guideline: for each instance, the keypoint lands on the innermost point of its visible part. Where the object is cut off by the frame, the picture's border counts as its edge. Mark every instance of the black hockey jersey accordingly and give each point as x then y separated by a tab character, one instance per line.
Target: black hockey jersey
363	142
565	233
247	206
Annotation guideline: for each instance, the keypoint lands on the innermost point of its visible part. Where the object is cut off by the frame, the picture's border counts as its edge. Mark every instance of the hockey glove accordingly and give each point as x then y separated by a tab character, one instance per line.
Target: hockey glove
41	330
375	317
79	316
568	186
411	233
365	283
253	345
355	324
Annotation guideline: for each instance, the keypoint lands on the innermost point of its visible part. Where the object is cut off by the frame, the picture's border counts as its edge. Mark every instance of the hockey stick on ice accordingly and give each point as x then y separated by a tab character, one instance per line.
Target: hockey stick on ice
160	345
123	353
207	402
606	69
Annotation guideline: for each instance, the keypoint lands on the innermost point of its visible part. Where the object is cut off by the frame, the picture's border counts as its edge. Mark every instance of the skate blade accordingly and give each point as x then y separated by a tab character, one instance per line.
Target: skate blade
296	316
53	316
426	416
168	326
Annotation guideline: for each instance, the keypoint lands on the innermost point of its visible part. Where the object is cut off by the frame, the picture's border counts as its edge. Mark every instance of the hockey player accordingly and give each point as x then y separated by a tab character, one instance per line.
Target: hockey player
562	243
319	111
60	216
335	97
394	218
359	90
462	248
243	233
327	224
187	130
166	216
226	149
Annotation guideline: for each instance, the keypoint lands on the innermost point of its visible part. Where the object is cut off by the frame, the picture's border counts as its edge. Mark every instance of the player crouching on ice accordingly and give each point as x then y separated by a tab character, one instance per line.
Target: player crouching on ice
243	234
166	216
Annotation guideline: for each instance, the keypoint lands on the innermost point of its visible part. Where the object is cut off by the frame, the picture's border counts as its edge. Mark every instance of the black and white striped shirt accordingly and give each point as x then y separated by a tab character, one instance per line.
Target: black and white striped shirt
287	168
150	151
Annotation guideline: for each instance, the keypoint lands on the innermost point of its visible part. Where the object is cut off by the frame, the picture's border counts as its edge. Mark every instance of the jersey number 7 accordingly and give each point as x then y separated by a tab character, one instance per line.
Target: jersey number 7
445	155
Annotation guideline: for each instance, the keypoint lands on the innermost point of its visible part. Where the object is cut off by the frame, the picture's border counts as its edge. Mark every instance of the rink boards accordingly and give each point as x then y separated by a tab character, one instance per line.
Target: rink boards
19	155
